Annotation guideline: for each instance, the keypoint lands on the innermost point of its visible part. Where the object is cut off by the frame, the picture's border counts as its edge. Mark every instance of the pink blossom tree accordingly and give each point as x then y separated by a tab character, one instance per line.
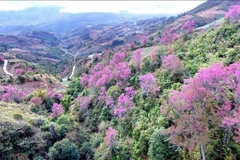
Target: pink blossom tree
188	26
12	94
233	12
149	84
37	101
169	37
122	72
19	71
172	63
125	102
102	95
137	59
57	110
110	102
84	79
117	58
84	102
101	75
210	99
51	93
110	137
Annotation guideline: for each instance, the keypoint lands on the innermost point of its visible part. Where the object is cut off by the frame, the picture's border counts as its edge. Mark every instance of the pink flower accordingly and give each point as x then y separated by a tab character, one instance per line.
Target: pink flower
57	110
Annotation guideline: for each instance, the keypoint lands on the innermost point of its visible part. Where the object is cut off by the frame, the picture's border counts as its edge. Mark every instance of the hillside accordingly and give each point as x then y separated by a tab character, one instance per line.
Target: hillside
156	89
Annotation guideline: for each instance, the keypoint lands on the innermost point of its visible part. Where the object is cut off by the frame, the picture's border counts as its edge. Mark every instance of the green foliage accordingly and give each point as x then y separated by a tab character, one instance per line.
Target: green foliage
74	88
63	125
21	79
64	120
159	148
19	137
114	91
18	116
105	114
65	150
66	102
146	65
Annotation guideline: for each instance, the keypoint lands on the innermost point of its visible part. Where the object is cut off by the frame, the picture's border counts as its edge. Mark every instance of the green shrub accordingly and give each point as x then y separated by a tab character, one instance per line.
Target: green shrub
114	91
64	150
17	116
159	147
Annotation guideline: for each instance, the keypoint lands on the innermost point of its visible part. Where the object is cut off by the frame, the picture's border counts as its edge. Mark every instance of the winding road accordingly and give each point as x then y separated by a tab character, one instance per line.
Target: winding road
5	68
73	70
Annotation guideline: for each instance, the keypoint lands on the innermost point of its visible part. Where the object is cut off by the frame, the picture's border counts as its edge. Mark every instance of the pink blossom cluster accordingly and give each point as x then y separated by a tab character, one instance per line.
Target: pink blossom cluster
188	26
84	102
37	101
51	93
213	90
19	71
233	12
125	102
137	59
102	95
12	94
169	37
172	63
101	75
148	84
57	110
143	39
110	137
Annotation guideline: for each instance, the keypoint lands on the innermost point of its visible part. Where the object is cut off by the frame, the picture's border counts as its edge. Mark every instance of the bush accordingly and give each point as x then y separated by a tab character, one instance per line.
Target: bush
114	91
159	147
17	116
21	79
64	150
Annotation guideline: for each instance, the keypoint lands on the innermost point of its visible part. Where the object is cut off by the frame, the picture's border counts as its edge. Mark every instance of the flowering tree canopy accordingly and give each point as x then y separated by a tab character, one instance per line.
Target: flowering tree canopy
84	102
149	84
169	37
210	99
110	137
100	75
12	94
125	102
172	63
233	12
137	59
37	101
57	110
188	26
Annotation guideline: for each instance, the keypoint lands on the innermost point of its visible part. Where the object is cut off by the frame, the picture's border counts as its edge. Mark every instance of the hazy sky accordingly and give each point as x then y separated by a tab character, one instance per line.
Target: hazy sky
107	6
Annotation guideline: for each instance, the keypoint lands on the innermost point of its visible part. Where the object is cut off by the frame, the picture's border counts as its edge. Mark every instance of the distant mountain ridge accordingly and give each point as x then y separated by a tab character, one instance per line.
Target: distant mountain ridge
50	18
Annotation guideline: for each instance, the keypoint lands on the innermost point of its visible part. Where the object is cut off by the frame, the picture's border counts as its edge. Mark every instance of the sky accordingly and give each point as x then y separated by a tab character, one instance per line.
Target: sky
142	7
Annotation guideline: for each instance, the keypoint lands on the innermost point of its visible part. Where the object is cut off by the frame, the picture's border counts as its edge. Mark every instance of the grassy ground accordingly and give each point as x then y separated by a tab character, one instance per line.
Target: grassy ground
7	110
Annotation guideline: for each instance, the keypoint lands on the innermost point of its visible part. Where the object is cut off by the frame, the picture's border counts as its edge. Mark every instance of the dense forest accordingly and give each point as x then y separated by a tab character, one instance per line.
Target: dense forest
175	99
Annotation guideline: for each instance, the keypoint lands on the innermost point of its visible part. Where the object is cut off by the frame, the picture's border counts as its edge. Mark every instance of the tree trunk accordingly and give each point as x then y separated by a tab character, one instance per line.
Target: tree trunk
202	151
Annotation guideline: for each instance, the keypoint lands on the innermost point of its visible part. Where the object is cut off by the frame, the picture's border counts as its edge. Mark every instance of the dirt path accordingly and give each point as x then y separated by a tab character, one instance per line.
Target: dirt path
5	68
